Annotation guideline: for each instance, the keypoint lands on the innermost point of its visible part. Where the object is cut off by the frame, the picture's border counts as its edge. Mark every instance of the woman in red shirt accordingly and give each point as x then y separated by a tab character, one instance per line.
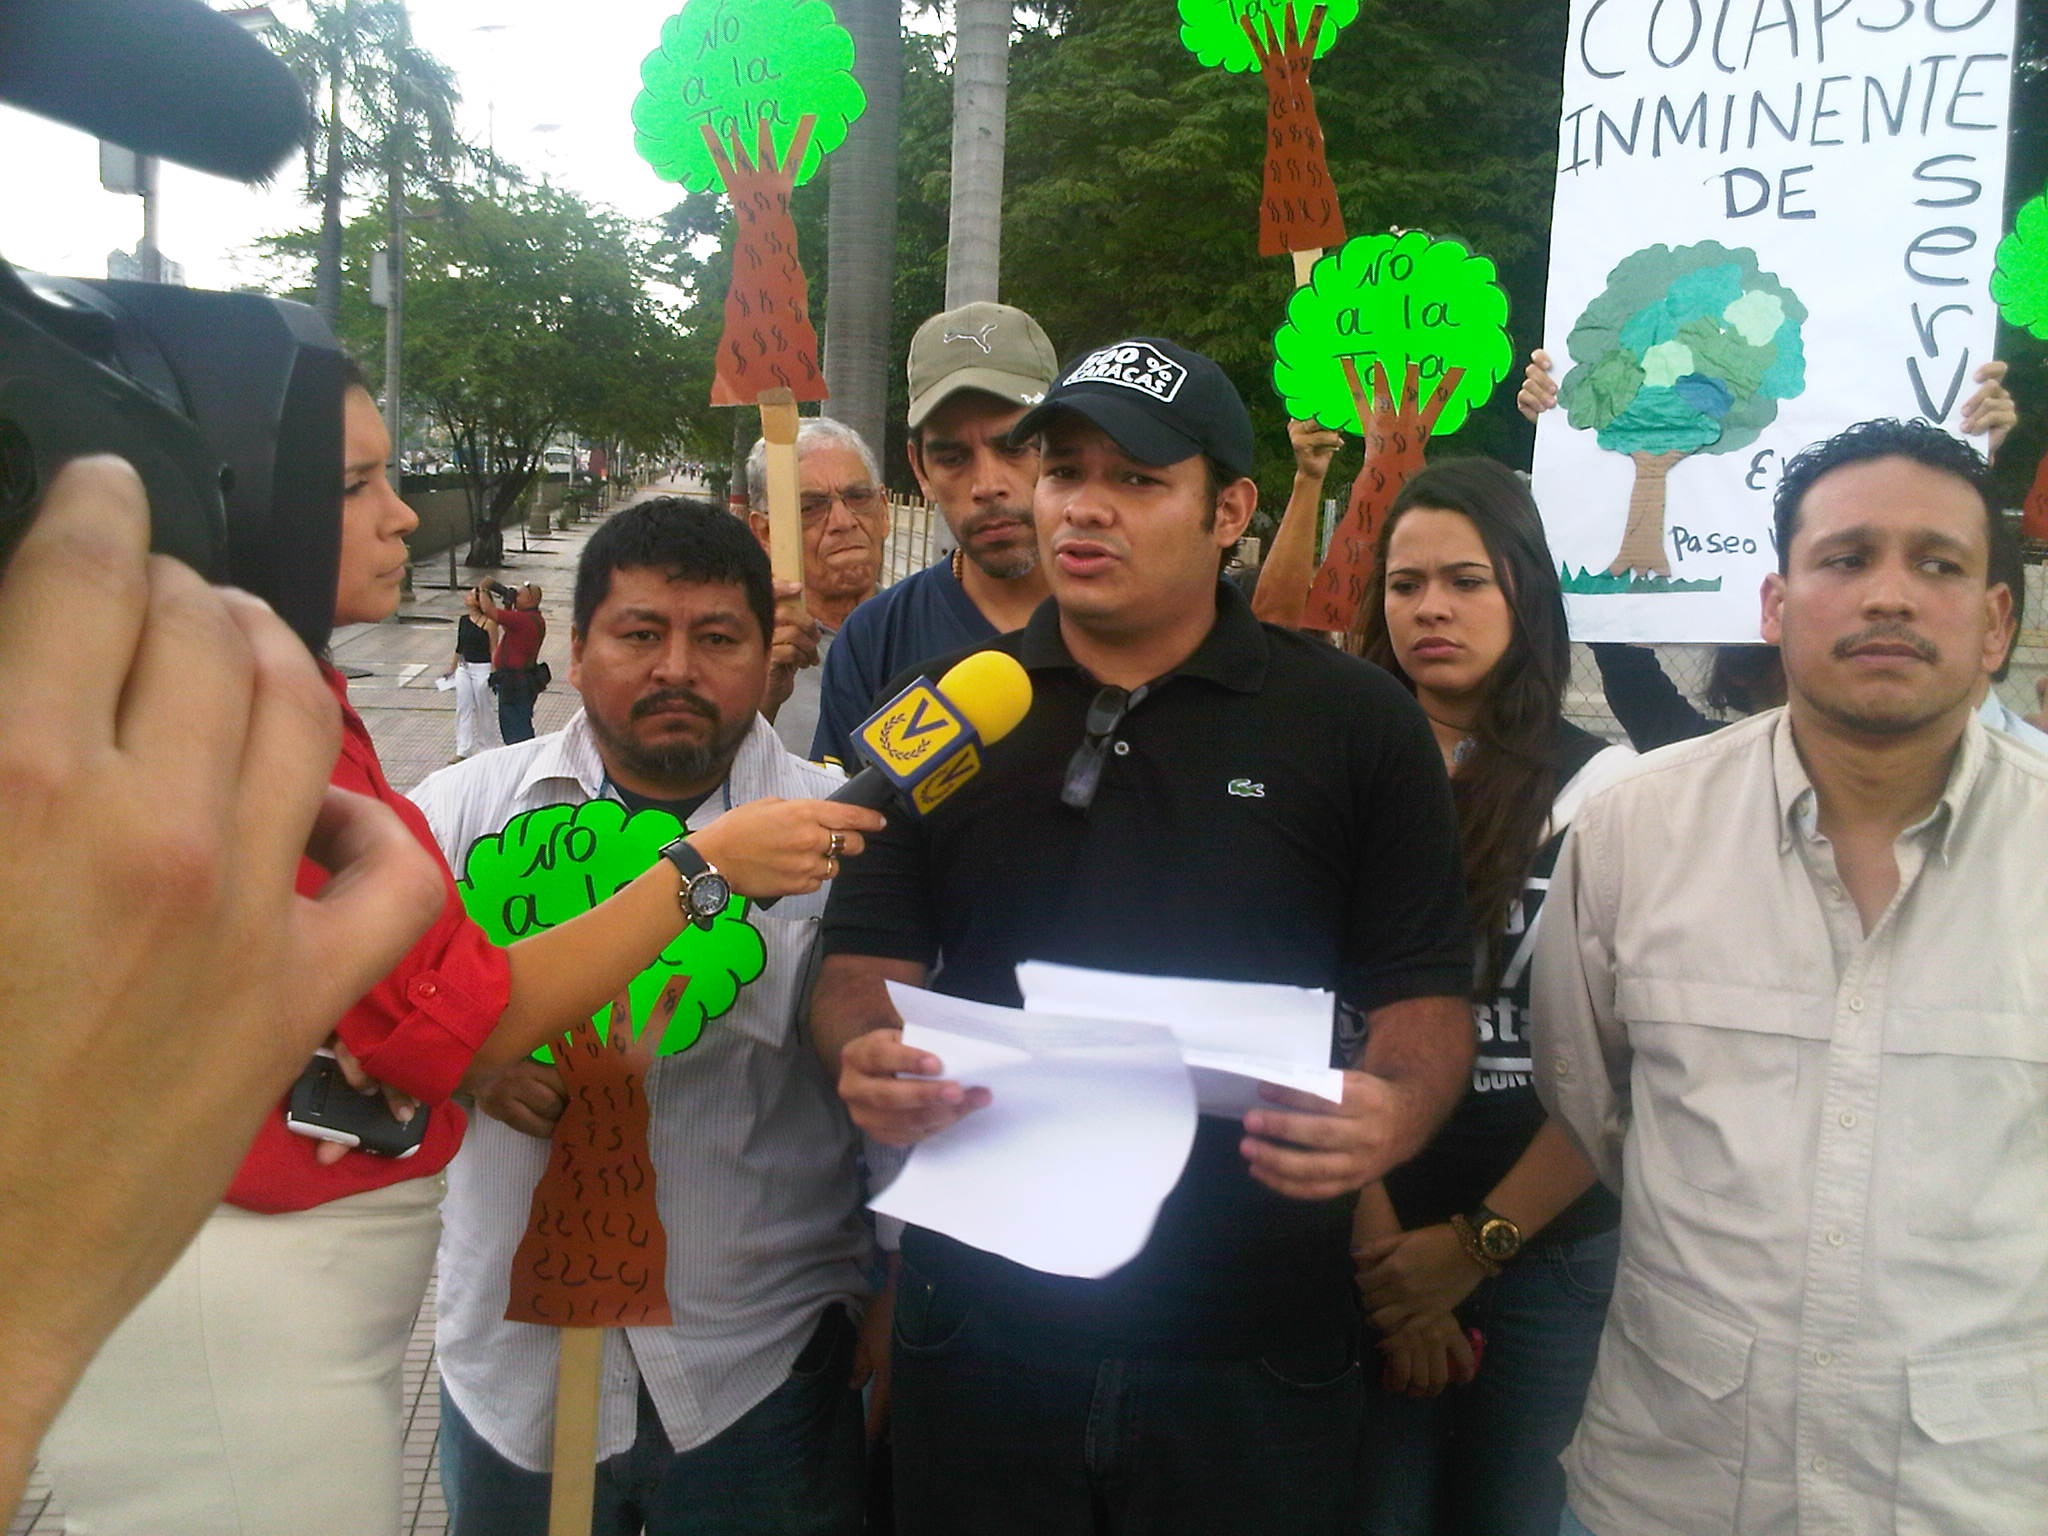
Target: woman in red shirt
256	1389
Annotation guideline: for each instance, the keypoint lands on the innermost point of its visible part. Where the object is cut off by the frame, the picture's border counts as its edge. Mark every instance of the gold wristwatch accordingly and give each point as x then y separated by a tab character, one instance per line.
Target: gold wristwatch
1489	1239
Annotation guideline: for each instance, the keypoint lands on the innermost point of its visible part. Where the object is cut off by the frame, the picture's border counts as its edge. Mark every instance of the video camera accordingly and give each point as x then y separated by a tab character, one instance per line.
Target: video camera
228	405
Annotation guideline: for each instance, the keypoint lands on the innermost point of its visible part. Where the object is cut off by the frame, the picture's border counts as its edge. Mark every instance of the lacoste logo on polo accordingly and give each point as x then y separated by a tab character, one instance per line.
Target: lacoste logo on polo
1245	789
1132	365
979	338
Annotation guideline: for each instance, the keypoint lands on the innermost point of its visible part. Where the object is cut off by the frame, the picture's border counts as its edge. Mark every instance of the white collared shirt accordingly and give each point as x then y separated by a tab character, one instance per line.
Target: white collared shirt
1832	1148
753	1155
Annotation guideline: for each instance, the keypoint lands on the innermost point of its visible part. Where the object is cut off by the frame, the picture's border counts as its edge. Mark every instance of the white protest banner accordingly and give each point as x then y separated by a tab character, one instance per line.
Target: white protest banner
1773	218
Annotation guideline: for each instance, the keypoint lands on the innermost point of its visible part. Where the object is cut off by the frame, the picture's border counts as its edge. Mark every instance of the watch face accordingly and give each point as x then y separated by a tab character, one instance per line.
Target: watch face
709	894
1498	1239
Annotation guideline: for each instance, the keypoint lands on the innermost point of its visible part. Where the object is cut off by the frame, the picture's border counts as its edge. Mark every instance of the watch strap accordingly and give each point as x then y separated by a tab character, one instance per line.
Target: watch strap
1468	1239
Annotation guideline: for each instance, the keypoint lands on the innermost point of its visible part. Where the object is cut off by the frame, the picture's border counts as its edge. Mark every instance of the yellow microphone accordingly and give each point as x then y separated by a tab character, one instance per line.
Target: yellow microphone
928	740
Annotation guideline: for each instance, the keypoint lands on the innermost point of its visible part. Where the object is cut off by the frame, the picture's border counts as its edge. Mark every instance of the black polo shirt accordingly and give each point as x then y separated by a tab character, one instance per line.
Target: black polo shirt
1273	811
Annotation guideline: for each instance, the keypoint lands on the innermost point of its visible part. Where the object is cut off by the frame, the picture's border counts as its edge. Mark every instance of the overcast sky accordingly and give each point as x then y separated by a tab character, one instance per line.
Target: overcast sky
572	66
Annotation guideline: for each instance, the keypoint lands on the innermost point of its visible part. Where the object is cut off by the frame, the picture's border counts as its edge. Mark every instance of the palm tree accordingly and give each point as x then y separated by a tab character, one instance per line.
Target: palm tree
381	105
861	226
981	91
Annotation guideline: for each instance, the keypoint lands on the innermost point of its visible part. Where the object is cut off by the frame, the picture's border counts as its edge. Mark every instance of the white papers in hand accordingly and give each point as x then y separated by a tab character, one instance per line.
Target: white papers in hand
443	684
1234	1035
1089	1126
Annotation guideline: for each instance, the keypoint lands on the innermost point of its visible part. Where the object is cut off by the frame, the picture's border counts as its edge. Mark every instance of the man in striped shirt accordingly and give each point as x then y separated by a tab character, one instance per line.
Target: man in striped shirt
740	1414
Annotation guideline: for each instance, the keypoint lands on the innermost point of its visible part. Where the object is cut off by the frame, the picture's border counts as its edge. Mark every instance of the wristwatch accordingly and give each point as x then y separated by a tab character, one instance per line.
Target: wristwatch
1489	1237
704	892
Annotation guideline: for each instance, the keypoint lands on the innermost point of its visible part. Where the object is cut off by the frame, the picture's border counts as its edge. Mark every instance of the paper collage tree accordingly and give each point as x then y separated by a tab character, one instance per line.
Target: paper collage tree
1298	207
2019	282
750	96
594	1252
1688	350
1397	337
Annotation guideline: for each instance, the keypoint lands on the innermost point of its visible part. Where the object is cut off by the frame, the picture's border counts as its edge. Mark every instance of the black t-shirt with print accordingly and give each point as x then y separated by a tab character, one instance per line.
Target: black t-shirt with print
1494	1123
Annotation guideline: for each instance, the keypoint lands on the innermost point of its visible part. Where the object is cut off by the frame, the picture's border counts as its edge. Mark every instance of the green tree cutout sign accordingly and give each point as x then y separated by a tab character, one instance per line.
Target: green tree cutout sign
2019	282
1396	337
749	96
729	65
1688	350
1281	39
1214	31
558	861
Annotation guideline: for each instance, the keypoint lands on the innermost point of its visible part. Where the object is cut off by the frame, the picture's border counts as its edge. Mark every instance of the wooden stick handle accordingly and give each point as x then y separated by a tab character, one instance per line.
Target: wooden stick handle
1304	261
785	516
573	1497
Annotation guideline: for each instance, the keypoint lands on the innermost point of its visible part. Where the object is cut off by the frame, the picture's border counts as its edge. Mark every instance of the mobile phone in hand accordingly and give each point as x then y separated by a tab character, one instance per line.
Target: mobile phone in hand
324	1107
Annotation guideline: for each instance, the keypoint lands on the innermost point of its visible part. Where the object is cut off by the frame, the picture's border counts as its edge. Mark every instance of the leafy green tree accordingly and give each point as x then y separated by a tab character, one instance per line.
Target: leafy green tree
2019	282
526	317
557	862
1688	350
382	106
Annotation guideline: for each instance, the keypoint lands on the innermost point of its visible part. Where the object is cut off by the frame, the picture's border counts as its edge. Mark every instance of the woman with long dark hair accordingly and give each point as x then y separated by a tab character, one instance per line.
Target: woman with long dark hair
1498	1230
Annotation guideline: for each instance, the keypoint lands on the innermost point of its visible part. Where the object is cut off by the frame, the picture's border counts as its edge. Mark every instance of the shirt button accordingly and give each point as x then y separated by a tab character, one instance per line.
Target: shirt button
1819	1464
1835	891
1564	1068
1834	1238
428	989
1855	1005
1848	1119
1122	749
1823	1357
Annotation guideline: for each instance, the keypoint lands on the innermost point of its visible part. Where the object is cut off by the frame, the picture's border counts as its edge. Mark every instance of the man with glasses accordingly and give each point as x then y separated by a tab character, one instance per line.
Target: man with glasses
1191	793
846	518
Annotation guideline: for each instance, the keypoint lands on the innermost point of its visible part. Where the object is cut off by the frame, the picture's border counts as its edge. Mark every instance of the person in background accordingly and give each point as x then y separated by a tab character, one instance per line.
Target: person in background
517	633
845	510
974	371
1498	1225
476	717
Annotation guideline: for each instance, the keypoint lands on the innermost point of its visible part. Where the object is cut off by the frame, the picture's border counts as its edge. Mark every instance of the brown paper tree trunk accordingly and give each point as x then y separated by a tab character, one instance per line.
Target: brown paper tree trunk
595	1254
1642	540
768	342
2034	510
1395	436
1298	208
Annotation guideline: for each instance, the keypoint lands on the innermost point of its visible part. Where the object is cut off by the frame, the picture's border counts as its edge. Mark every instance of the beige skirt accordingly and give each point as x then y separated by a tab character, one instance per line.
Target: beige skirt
255	1392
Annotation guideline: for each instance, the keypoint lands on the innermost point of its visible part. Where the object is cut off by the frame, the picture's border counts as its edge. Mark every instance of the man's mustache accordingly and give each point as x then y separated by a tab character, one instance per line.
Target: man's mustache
670	698
1886	634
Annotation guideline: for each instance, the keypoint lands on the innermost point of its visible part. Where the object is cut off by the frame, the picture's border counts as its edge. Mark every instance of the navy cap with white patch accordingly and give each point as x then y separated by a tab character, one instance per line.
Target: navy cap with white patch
1157	400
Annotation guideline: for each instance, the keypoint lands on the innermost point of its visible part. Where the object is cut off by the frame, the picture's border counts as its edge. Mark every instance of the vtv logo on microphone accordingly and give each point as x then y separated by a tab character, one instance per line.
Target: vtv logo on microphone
922	744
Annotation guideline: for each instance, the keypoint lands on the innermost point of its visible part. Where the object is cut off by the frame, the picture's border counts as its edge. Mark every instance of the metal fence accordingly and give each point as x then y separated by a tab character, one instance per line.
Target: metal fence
918	536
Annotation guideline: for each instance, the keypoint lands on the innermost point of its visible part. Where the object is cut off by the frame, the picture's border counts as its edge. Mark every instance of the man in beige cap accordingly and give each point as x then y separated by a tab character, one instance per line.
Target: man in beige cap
974	371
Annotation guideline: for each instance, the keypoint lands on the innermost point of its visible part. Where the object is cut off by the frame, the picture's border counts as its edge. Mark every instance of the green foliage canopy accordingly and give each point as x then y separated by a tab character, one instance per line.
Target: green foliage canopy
2019	281
733	63
558	861
1687	350
1212	30
1393	299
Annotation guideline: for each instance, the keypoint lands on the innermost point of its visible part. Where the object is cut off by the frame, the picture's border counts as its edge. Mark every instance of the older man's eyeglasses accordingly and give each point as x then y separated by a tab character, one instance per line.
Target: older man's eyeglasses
860	500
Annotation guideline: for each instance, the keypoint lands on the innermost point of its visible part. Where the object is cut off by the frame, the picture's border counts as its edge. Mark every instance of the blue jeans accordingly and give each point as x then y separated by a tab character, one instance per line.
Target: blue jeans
789	1466
1481	1460
1001	1427
515	707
